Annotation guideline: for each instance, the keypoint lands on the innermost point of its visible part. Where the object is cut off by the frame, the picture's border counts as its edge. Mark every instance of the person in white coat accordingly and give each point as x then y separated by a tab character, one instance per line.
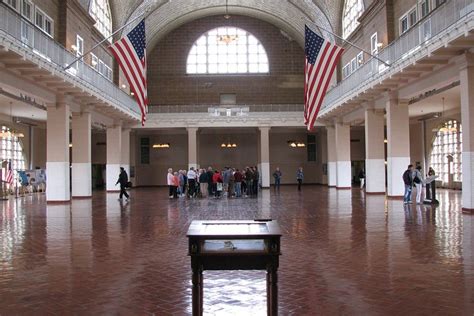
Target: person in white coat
418	180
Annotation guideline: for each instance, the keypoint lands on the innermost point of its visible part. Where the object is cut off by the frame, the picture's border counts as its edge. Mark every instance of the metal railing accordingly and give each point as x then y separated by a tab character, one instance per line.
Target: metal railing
23	33
412	41
204	108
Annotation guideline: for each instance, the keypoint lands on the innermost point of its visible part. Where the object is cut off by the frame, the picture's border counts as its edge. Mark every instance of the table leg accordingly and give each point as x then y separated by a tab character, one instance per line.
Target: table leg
272	292
197	292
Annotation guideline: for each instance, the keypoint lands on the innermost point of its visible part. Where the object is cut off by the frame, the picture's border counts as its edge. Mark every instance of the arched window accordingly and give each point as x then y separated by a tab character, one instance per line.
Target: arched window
100	11
11	149
227	50
446	152
353	9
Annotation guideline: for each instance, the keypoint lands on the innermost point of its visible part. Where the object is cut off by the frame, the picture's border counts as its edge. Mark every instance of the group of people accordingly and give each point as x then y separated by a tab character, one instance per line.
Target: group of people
231	182
412	177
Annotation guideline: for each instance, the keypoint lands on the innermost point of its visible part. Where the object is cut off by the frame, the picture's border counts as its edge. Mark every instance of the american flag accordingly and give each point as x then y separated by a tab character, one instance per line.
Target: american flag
130	52
320	62
9	173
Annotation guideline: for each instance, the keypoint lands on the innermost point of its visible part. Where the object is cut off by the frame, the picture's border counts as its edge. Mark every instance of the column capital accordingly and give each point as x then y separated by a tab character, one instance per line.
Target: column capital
465	60
192	129
264	128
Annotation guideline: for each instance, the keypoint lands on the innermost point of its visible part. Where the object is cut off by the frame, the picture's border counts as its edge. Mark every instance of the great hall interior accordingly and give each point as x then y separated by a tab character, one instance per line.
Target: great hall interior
226	89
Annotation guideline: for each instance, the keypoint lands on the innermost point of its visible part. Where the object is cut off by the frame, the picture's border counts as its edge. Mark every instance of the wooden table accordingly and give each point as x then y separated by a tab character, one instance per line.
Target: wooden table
235	245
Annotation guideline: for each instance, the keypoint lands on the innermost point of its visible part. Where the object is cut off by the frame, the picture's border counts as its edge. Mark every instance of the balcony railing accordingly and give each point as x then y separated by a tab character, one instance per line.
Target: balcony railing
22	32
412	41
212	108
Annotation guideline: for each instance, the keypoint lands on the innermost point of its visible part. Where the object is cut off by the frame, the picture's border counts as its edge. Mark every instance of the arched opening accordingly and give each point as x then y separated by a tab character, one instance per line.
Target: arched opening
100	11
227	50
446	153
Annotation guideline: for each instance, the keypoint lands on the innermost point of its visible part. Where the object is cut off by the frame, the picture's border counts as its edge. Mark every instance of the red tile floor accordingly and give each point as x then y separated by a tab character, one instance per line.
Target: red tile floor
344	252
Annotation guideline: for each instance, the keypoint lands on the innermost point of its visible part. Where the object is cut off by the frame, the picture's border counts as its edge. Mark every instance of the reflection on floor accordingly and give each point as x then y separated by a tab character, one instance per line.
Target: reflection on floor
344	252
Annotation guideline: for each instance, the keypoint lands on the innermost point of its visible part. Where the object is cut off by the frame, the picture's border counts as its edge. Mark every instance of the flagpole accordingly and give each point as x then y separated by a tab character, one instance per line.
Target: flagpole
145	13
352	44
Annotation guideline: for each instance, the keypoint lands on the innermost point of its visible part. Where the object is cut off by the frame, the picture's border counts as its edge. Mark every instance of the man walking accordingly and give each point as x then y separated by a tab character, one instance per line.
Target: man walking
123	180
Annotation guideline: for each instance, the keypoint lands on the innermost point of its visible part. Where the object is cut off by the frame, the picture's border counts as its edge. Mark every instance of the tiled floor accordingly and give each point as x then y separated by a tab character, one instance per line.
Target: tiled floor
343	253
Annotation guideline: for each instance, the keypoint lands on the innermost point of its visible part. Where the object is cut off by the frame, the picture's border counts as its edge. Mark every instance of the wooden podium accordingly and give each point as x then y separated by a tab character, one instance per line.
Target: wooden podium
234	245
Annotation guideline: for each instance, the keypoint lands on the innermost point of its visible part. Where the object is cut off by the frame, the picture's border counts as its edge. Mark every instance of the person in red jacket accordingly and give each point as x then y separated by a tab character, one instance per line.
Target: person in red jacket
217	183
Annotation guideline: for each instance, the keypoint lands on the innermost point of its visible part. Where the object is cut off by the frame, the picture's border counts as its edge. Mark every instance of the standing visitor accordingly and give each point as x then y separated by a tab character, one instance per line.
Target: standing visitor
248	181
226	178
191	182
277	176
217	182
230	191
408	181
418	180
203	183
175	184
238	177
362	178
169	181
210	186
299	177
256	178
123	180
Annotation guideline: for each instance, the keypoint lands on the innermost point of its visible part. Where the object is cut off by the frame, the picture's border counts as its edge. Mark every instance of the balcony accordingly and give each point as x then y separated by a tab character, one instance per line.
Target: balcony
25	46
447	26
236	115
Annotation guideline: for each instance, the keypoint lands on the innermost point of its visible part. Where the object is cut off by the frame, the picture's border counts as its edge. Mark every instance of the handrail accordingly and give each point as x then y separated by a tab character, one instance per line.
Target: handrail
398	51
24	33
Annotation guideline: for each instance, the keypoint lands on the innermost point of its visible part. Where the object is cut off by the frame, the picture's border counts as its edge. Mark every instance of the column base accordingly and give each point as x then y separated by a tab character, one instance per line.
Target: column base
57	182
265	174
112	173
332	174
375	175
467	180
344	174
396	166
469	211
344	188
82	197
81	179
58	202
375	193
395	197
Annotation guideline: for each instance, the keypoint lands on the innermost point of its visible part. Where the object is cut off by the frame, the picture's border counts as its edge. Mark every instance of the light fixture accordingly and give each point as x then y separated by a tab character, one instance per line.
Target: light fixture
74	47
227	39
70	145
132	93
94	63
229	145
124	86
163	145
7	133
385	141
379	45
295	144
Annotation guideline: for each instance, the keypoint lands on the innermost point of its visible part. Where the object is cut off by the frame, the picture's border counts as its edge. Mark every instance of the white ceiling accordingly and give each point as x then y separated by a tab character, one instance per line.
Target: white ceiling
433	104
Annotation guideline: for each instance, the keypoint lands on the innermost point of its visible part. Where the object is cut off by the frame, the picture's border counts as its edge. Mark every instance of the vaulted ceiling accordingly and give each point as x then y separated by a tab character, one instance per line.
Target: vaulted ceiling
289	15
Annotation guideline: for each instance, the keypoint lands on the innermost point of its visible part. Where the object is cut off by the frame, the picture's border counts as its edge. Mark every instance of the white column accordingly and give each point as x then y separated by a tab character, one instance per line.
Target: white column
374	151
114	156
125	158
343	156
57	153
398	146
467	121
331	142
192	148
81	155
265	156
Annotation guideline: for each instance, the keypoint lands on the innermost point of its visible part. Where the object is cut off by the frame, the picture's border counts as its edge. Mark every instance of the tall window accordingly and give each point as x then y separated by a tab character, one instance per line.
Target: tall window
11	149
100	11
227	50
446	152
353	9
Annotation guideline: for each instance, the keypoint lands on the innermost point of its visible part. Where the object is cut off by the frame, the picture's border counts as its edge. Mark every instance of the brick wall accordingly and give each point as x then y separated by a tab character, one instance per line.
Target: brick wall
168	82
